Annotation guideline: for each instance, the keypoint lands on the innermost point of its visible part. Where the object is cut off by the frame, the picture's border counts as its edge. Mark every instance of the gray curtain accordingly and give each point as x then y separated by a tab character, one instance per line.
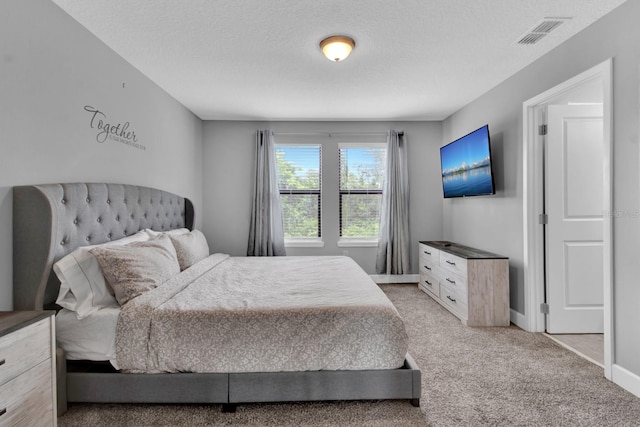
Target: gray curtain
266	235
393	241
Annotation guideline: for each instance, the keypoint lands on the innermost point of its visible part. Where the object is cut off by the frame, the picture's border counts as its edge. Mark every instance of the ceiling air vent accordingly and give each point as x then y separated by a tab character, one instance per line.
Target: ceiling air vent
540	30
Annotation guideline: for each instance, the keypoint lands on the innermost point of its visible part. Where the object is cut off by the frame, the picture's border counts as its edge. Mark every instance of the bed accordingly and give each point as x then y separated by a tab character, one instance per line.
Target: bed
53	220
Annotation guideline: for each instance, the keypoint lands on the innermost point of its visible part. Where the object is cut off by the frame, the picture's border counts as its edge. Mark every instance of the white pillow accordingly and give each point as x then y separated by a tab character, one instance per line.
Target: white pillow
174	232
190	247
83	288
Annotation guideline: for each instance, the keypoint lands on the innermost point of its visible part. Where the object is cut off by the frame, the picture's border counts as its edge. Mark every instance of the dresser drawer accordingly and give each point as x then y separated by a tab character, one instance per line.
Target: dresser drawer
430	267
454	299
455	281
24	348
453	263
429	283
27	399
429	254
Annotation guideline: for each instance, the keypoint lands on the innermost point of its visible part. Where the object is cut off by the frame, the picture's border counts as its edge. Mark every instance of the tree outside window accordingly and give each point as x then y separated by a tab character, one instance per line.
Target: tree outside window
300	185
361	178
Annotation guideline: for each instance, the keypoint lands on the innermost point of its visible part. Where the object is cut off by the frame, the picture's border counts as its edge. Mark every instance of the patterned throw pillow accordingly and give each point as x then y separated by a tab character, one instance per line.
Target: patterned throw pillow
190	247
137	267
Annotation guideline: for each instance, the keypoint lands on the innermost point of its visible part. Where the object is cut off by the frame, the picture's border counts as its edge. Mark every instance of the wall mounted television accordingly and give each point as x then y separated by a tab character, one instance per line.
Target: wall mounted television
466	165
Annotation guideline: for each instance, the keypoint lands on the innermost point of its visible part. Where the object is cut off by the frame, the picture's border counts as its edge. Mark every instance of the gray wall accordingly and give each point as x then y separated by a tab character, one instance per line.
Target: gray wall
495	223
228	166
50	68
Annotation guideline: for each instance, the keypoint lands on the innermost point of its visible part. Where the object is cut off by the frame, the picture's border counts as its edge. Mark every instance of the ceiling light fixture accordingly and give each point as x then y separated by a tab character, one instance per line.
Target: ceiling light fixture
337	48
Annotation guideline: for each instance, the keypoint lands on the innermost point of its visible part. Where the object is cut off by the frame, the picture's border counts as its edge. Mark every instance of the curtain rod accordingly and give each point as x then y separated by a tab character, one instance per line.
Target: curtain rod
331	134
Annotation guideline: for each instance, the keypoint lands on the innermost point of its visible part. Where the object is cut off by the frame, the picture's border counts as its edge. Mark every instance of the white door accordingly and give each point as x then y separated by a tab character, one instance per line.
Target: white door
574	174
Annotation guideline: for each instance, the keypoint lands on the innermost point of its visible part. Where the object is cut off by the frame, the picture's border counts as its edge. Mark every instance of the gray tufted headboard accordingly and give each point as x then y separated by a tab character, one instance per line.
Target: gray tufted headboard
51	220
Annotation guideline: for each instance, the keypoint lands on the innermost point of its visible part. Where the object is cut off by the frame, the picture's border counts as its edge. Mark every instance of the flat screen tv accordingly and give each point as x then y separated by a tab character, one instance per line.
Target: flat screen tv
466	165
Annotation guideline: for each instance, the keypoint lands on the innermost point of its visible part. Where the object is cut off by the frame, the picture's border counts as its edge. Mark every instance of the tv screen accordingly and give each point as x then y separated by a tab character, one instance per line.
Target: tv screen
466	165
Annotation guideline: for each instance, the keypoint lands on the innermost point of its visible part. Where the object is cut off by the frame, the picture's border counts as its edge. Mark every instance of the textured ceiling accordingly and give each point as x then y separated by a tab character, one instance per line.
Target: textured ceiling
260	60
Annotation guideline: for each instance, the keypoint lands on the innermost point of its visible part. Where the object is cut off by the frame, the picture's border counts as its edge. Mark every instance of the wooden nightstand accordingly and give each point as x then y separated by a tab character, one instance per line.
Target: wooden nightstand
27	368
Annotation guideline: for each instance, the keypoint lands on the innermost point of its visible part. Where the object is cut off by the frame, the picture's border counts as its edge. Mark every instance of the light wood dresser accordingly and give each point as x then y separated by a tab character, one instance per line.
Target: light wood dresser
27	369
470	283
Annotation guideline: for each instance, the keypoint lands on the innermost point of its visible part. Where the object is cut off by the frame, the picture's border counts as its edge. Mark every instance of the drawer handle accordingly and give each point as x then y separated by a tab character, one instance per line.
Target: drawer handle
450	281
451	262
428	253
451	299
427	267
3	411
428	282
2	362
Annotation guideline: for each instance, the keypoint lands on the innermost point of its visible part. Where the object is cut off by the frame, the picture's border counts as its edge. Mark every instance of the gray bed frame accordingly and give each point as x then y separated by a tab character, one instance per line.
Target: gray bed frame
51	220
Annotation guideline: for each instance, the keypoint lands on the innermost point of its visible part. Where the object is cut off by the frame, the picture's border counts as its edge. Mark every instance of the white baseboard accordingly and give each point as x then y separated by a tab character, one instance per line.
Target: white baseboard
518	319
626	379
395	278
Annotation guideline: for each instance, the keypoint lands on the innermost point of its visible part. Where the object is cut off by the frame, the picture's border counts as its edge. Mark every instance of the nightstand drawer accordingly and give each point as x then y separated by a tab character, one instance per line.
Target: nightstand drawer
24	348
26	400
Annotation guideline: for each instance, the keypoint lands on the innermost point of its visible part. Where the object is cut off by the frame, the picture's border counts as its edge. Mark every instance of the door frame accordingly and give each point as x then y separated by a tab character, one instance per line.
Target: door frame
533	192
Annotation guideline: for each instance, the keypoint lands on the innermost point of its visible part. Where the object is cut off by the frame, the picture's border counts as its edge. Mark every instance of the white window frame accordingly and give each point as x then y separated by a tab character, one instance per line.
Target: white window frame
307	242
357	242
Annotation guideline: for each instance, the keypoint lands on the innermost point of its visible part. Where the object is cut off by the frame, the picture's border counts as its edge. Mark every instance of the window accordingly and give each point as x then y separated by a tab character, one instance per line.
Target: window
361	177
299	181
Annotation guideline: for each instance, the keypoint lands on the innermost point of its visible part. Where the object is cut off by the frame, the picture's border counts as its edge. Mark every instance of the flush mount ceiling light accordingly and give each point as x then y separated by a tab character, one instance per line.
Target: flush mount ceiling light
337	48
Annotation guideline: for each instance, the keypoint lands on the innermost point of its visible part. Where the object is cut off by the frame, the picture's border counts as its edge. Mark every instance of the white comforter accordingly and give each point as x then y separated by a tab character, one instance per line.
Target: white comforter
237	314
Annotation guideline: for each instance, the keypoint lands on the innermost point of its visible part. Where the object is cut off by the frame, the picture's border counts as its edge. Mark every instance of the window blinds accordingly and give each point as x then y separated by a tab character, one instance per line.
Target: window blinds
361	179
300	185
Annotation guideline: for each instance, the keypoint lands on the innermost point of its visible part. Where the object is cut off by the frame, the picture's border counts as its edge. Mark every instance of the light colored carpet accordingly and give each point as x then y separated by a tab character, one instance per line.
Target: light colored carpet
470	377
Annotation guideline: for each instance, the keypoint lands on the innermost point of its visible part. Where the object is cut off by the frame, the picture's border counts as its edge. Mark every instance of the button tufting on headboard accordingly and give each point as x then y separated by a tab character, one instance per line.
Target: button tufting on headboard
52	220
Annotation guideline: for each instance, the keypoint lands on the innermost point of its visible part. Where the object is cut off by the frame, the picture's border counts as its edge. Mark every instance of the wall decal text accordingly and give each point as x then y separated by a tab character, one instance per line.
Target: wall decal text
119	132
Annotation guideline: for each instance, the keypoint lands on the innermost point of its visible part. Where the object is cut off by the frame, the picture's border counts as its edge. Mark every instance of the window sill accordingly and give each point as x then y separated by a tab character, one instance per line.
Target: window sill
357	243
303	243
